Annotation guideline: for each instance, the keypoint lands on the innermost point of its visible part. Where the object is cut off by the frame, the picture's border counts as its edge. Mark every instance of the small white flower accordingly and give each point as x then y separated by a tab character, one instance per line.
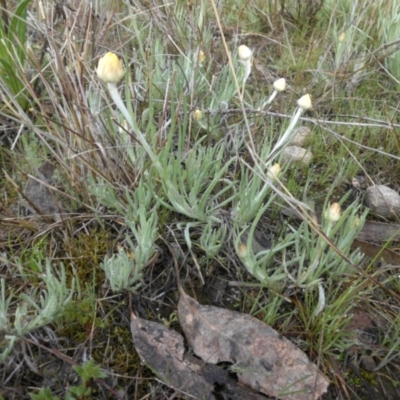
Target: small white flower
273	172
305	102
332	214
279	85
244	53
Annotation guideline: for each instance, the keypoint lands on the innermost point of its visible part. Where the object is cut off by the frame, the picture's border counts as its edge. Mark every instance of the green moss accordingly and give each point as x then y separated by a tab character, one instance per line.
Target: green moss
370	377
121	354
86	251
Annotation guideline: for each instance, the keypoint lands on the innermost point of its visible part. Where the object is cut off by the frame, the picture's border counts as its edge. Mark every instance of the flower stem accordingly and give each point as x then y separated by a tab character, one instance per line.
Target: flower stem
269	101
112	88
286	136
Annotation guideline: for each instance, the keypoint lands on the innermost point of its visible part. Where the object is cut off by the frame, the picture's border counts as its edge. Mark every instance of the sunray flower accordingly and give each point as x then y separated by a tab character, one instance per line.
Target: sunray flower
245	56
304	104
110	70
279	86
332	214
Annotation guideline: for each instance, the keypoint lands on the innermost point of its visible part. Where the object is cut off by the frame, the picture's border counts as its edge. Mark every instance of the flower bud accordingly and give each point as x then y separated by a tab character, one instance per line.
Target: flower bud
273	172
333	213
242	250
110	68
280	85
305	102
244	53
356	222
197	115
201	57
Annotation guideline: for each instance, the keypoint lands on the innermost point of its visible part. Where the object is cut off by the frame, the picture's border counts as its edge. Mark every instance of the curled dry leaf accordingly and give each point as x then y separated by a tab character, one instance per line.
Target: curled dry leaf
374	250
163	350
379	231
262	358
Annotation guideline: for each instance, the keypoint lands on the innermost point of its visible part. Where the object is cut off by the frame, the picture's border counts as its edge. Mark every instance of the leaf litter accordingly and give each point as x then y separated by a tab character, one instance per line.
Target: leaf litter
263	360
261	357
163	350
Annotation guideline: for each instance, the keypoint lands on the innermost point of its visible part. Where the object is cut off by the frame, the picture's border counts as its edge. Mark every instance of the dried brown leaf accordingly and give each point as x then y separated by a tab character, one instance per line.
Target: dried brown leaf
379	231
372	230
162	349
375	250
262	358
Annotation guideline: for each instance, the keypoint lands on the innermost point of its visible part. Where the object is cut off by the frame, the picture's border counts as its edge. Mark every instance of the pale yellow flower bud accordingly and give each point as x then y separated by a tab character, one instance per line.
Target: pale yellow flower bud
356	222
273	172
333	213
244	53
201	57
341	37
305	102
110	68
280	85
197	115
242	250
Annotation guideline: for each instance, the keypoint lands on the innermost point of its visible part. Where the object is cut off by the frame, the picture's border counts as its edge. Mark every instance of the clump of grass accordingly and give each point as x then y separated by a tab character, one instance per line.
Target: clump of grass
13	54
388	35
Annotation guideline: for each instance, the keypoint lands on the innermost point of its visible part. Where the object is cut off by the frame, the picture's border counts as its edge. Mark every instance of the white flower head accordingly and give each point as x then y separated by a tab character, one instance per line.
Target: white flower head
332	214
273	172
244	53
279	85
304	102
